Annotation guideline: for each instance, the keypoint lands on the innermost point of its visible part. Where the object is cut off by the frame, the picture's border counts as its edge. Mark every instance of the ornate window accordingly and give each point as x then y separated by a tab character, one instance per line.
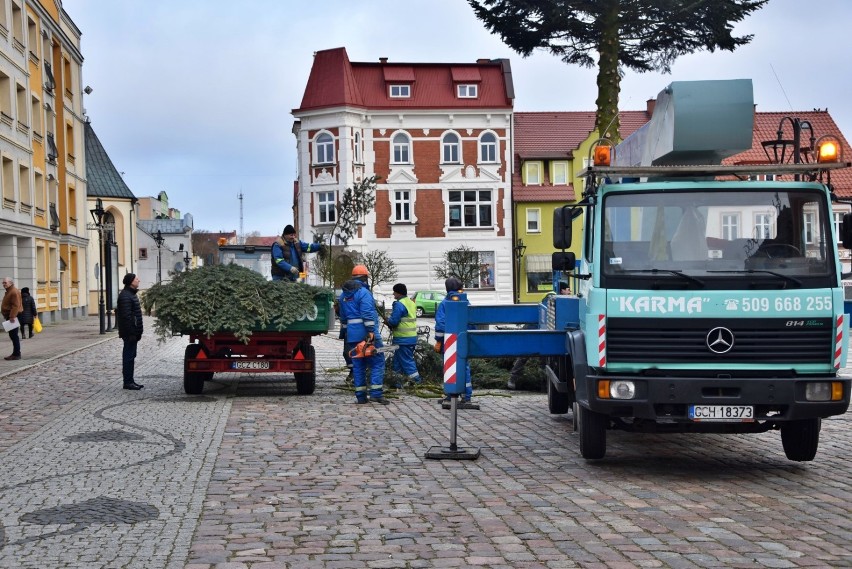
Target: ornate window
470	208
450	149
488	147
324	149
327	204
402	205
401	149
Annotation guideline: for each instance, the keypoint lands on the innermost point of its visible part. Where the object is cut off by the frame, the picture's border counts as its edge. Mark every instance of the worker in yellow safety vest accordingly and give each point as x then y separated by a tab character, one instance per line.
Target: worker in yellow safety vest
403	322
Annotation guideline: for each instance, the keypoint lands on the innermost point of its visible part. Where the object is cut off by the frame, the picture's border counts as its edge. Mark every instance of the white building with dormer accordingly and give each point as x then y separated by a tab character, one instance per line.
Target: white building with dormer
438	136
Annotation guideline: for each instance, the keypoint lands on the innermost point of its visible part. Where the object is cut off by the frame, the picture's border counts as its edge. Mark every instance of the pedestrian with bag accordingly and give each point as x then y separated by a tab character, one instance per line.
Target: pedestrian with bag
358	314
28	313
452	285
287	255
11	307
128	315
403	322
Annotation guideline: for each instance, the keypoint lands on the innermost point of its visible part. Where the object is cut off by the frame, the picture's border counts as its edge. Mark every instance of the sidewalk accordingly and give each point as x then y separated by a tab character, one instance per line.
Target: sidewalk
55	340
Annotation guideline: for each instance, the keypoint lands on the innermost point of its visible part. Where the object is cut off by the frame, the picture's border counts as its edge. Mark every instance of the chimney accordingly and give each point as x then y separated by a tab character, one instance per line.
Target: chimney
383	60
649	106
483	61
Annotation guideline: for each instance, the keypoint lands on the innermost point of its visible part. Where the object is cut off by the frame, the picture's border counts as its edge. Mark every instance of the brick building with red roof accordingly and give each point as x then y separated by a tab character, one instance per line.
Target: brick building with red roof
438	135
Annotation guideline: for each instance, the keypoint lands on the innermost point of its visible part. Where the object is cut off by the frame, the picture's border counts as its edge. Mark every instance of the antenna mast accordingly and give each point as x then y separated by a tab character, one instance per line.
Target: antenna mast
242	238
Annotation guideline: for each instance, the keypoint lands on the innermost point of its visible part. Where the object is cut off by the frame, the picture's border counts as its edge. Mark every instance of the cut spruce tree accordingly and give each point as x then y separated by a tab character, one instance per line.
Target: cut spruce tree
226	298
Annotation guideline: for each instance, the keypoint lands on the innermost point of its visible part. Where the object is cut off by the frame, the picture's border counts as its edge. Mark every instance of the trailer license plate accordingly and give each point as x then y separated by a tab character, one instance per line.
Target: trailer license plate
251	364
721	413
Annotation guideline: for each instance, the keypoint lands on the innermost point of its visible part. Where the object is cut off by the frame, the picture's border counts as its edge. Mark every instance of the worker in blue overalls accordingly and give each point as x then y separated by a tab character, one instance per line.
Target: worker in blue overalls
358	314
403	322
452	285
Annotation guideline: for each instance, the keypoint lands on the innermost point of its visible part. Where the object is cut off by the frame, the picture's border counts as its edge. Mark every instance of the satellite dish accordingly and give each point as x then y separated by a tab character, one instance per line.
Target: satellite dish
179	267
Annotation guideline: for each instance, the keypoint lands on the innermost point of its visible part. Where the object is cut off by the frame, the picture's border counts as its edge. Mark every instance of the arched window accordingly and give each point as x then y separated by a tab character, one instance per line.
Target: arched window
488	147
401	148
450	148
325	149
358	148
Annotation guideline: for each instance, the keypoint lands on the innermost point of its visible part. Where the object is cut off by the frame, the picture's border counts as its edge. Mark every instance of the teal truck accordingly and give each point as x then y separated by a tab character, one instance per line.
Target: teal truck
709	296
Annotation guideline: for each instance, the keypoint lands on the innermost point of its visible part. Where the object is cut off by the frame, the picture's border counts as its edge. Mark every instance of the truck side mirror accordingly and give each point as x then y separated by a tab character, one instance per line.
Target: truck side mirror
562	218
846	231
563	261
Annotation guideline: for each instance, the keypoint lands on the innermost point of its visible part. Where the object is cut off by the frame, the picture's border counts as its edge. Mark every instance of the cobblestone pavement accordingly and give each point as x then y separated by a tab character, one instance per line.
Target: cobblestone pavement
251	475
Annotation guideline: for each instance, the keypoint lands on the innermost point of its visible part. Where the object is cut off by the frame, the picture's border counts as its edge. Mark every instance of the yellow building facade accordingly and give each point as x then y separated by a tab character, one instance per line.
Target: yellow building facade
43	218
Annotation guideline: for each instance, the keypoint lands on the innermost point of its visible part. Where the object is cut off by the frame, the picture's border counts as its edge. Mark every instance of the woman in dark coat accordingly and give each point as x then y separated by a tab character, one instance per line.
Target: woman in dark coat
29	312
128	315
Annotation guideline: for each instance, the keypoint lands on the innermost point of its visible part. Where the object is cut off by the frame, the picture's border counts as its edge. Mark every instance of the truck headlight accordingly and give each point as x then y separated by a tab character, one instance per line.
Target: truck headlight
824	391
616	389
622	390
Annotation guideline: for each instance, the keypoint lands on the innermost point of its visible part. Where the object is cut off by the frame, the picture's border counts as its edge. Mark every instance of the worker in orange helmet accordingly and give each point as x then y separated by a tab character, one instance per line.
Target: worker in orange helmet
358	314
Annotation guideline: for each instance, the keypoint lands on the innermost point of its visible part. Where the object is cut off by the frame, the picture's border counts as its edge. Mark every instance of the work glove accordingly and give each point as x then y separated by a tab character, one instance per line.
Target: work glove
438	346
294	270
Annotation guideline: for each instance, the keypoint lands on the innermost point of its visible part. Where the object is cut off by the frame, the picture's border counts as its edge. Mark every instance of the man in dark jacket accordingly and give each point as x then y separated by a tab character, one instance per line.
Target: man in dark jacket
287	252
128	315
11	308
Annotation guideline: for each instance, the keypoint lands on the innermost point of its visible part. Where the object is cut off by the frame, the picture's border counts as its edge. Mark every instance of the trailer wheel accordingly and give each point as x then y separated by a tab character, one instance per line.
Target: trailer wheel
193	382
306	382
592	427
557	403
800	439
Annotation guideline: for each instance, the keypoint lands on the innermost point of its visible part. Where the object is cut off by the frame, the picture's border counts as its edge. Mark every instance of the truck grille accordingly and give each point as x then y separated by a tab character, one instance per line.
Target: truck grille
767	340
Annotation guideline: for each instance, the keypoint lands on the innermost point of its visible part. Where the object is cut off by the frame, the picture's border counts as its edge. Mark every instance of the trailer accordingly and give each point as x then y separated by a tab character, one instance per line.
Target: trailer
268	350
684	321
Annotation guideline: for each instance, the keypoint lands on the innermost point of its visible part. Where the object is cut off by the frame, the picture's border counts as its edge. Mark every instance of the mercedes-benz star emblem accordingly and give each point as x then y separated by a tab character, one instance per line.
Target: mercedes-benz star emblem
720	340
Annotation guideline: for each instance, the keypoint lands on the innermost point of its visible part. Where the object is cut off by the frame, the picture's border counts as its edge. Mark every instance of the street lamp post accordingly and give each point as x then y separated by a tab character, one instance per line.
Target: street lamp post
98	217
158	239
780	144
519	250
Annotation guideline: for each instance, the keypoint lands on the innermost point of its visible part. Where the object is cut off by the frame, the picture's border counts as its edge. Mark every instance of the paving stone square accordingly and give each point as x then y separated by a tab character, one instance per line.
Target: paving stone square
251	475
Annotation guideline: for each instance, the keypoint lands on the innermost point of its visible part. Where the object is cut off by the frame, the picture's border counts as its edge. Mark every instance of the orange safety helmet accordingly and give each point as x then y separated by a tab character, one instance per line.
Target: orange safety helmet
359	271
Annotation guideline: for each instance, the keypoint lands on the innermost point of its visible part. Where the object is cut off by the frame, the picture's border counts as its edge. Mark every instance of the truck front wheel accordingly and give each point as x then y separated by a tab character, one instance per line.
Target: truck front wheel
306	382
800	439
592	427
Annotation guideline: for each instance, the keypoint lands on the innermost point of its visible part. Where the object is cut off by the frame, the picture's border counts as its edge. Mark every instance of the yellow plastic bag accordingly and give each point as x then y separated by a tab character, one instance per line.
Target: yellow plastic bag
36	325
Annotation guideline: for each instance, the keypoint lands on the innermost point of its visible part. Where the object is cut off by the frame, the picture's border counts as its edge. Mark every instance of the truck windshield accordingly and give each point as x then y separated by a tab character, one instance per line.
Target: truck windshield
724	239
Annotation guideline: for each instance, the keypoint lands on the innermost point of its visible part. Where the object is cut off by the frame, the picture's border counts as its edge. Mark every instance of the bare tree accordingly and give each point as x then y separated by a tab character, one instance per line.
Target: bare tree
462	263
355	203
380	267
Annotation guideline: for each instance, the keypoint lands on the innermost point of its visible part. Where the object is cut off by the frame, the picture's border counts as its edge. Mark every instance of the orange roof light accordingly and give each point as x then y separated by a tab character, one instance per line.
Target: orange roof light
829	149
602	155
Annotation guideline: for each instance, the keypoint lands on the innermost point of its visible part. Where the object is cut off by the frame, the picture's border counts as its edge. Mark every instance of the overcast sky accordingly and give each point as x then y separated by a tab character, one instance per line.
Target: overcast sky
195	97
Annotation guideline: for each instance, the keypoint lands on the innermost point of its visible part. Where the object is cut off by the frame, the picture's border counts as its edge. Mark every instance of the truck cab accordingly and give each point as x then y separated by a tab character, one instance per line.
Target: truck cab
710	300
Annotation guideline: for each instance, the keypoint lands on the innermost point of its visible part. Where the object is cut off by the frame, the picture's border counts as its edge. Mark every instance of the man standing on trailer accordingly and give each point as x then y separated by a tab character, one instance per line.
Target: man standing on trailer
287	255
